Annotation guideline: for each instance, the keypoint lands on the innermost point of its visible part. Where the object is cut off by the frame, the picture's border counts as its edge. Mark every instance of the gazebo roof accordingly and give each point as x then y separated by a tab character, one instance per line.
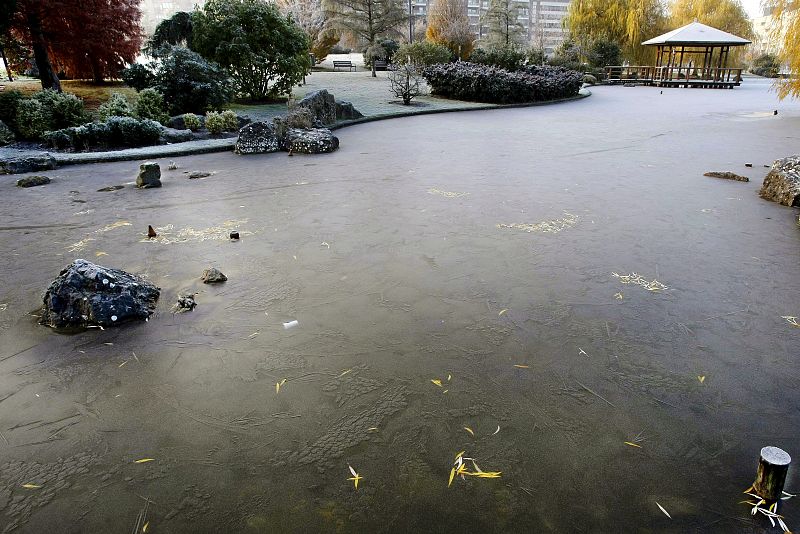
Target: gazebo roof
697	34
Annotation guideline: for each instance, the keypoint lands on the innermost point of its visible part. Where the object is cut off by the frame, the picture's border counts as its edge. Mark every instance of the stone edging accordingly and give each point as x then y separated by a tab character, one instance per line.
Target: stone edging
224	145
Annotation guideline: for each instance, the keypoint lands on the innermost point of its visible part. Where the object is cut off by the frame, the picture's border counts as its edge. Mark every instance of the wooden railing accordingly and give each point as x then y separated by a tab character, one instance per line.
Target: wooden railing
694	76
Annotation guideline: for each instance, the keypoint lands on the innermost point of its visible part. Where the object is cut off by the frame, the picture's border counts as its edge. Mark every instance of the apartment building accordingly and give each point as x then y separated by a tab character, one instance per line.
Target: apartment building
540	18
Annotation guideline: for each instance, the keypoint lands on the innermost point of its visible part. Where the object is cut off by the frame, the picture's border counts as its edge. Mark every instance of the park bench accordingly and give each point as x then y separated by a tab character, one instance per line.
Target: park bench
343	64
380	65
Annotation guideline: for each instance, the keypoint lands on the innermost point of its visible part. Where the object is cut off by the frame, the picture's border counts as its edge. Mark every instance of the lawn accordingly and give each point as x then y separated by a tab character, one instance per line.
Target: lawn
92	94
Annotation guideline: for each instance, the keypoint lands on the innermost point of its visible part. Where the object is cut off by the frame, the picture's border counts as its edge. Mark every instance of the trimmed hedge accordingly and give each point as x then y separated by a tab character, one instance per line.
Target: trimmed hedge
115	132
482	83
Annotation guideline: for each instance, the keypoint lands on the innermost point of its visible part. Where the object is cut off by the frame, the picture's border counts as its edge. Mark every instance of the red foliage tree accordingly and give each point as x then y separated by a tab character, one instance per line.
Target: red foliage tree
83	38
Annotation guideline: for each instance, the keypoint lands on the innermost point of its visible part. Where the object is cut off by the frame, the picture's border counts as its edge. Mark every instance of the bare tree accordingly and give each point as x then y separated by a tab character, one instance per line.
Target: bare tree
404	81
502	19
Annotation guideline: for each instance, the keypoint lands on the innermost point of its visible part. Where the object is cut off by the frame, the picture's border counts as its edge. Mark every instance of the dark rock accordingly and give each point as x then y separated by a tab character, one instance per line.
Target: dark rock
6	135
194	175
185	303
234	235
310	141
110	188
322	104
346	112
173	135
727	176
86	294
23	164
149	175
748	164
150	232
257	138
782	183
244	120
33	181
212	275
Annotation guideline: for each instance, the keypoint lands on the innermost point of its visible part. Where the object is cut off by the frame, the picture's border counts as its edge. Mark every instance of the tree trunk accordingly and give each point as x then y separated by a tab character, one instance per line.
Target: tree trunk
5	63
97	72
373	69
46	73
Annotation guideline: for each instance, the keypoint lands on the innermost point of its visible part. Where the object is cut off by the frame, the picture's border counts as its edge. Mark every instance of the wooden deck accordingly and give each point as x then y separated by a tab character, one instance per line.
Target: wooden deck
708	78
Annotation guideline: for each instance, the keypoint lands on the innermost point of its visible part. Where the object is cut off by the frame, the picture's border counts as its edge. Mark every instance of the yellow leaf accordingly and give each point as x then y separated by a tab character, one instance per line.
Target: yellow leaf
452	475
30	486
633	445
502	312
277	387
468	429
344	373
448	378
372	429
445	391
701	378
144	460
521	366
460	454
144	528
618	296
437	382
98	254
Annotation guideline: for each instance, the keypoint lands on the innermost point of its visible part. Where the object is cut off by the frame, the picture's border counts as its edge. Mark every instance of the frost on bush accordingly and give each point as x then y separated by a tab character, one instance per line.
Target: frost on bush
63	109
192	121
483	83
214	122
32	119
117	106
117	131
151	106
230	120
404	82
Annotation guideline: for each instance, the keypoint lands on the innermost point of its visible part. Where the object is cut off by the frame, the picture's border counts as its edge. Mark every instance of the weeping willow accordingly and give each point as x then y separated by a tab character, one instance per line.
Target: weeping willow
726	15
785	34
627	22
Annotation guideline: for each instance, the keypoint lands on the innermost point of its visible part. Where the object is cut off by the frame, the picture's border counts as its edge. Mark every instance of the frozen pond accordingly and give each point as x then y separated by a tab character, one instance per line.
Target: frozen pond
476	250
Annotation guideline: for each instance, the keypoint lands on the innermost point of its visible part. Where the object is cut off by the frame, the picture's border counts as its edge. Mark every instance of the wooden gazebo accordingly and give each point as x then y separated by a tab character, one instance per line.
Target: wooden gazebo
694	55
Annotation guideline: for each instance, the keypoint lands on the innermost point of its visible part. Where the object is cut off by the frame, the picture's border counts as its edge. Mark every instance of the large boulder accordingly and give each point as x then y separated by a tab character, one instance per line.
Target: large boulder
149	175
85	294
782	183
310	141
173	135
178	123
23	164
6	135
346	112
257	138
322	104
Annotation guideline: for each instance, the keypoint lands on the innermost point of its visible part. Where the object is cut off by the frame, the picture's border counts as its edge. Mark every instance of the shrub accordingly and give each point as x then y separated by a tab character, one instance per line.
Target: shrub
63	109
589	79
422	54
9	100
535	56
602	53
504	57
214	122
150	106
265	52
83	137
32	118
116	132
138	76
482	83
766	65
192	121
230	120
388	46
189	83
117	106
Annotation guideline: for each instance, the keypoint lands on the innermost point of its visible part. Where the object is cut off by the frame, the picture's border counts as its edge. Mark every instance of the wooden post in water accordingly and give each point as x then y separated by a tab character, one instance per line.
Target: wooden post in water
772	468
